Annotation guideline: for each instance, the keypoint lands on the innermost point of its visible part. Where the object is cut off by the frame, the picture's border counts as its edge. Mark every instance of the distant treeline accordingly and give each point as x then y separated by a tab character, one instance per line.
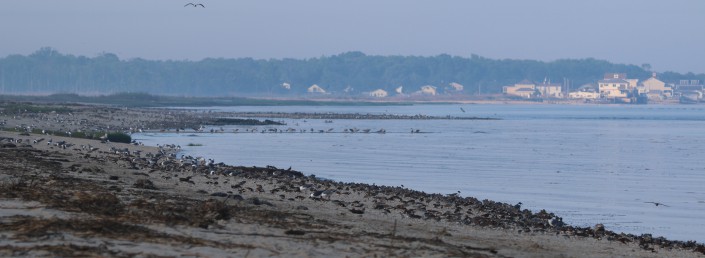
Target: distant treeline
48	71
140	99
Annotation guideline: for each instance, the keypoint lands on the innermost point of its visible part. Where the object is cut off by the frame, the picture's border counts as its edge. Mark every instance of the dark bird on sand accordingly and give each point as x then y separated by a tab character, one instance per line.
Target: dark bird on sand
658	203
195	5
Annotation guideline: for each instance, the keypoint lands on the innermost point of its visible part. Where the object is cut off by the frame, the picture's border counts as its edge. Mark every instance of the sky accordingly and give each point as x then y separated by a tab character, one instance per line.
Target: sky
668	35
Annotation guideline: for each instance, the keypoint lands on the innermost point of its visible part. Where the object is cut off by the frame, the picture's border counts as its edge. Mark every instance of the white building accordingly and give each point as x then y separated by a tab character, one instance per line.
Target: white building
428	90
379	93
456	86
583	95
550	90
616	85
655	87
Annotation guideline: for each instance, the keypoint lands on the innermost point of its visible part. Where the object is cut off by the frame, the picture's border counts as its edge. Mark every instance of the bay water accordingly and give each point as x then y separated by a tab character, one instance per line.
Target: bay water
589	164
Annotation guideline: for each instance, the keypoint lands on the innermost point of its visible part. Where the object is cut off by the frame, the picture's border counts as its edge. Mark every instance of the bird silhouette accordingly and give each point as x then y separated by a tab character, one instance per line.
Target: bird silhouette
658	203
461	109
195	5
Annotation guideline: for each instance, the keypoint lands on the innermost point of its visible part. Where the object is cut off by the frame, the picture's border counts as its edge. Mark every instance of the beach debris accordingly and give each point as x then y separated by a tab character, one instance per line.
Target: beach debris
356	211
219	194
295	232
144	184
186	179
339	203
257	201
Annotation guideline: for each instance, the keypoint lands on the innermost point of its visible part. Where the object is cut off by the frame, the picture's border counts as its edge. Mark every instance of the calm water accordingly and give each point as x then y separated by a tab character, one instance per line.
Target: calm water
589	164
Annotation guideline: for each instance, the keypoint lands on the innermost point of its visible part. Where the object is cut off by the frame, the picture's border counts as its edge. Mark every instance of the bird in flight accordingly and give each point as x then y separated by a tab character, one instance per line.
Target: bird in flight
658	203
461	109
195	5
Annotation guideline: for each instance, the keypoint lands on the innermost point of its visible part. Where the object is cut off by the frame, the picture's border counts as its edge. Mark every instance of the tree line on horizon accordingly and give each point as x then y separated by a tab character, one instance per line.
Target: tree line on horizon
48	71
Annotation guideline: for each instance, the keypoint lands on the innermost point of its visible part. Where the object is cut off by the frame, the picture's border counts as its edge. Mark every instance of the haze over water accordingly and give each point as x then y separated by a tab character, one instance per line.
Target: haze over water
589	164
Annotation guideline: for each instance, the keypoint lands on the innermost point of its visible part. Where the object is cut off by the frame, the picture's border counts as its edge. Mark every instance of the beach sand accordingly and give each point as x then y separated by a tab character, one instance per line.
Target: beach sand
85	197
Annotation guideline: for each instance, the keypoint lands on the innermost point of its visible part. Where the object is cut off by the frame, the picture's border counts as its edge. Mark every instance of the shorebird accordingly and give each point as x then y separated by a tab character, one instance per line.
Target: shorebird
306	187
658	203
195	5
327	193
322	194
518	206
556	222
316	194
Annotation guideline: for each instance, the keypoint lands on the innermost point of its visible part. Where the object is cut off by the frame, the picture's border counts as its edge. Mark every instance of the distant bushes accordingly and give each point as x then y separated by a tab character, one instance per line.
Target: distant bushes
19	108
96	135
119	137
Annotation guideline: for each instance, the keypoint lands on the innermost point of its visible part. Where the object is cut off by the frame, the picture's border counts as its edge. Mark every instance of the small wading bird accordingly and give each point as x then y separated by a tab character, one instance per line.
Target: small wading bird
195	5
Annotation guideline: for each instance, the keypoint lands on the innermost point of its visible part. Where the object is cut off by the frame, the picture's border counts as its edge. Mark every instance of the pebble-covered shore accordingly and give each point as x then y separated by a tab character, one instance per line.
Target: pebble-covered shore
67	196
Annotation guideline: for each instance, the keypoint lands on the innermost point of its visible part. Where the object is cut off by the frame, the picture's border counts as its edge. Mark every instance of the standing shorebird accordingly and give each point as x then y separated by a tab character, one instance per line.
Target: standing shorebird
322	194
195	5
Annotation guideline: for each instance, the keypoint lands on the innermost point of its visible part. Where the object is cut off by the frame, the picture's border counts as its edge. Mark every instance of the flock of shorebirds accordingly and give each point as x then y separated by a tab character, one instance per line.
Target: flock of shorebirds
311	130
67	124
234	182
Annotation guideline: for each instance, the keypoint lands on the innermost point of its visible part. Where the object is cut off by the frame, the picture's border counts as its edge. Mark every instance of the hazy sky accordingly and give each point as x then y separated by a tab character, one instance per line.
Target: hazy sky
669	35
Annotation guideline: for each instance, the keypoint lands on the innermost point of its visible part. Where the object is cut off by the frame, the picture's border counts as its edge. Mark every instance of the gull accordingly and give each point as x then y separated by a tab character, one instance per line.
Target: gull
556	222
316	194
307	187
195	5
328	193
323	194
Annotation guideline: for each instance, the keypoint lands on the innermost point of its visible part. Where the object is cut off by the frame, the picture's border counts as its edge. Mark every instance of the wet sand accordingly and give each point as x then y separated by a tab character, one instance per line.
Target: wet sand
87	198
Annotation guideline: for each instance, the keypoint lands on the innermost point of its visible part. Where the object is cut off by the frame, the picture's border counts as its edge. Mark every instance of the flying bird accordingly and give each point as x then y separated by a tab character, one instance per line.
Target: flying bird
658	203
195	5
461	109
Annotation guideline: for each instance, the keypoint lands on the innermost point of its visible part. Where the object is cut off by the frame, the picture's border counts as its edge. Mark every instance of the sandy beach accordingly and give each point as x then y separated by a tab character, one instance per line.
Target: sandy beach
70	196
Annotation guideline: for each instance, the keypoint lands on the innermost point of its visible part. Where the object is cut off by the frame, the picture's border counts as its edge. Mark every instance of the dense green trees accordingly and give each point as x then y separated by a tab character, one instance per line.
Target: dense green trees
48	71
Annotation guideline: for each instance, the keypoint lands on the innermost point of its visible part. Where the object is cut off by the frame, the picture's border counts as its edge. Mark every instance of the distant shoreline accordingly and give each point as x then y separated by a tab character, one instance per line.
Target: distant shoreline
147	100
